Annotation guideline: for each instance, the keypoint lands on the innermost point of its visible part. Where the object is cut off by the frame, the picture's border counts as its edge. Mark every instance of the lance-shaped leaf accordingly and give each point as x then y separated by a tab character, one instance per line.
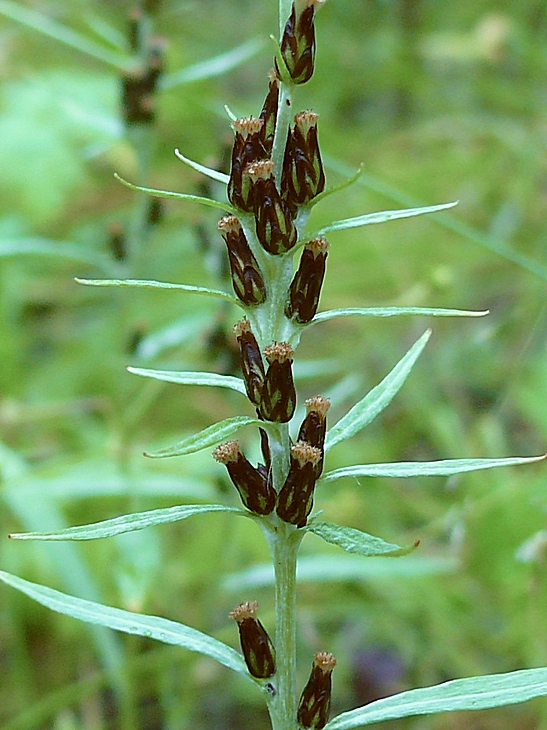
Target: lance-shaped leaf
153	627
396	312
143	284
378	398
178	196
213	174
129	523
208	437
192	378
473	693
355	541
215	66
380	217
444	468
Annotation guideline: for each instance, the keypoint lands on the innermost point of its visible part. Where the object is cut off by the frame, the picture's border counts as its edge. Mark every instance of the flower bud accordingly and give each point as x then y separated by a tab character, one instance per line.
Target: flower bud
256	645
296	496
305	288
278	399
273	218
246	276
269	112
248	147
256	491
313	709
303	174
251	361
298	41
314	427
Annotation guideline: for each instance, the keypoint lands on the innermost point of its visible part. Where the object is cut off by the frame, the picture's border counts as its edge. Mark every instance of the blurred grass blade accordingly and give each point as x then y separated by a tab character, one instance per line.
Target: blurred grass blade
36	246
445	468
378	398
213	174
153	627
327	568
128	523
142	284
208	437
191	378
178	196
355	541
51	28
396	312
473	693
215	66
381	217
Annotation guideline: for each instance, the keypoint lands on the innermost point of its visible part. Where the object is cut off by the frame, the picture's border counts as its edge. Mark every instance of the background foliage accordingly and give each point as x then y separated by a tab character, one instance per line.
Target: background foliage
441	102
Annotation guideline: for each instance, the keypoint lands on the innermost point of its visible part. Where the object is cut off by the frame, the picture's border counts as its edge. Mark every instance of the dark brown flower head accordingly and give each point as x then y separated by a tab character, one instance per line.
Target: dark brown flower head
314	427
313	709
255	490
255	643
252	365
278	399
298	41
305	288
274	224
295	499
269	112
247	148
247	278
303	174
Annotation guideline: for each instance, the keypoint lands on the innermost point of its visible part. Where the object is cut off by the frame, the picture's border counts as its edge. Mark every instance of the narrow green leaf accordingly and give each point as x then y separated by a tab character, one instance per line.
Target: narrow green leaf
378	398
327	568
396	312
208	437
51	28
473	693
215	66
355	541
128	523
337	188
142	284
443	468
178	196
381	217
191	378
213	174
153	627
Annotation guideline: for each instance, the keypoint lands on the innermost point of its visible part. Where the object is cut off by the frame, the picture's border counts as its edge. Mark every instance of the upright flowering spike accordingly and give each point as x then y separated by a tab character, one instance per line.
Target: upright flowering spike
255	490
314	427
138	90
269	112
278	399
255	643
303	174
298	41
296	496
248	147
246	275
273	218
305	288
313	709
252	365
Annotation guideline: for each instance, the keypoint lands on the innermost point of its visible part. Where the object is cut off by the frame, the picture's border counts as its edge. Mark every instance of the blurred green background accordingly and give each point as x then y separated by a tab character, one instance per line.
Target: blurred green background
440	101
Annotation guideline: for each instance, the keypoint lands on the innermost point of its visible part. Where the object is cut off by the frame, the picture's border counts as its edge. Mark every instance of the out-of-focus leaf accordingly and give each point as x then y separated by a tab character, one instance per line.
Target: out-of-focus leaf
192	378
473	693
128	523
208	437
444	468
355	541
57	249
377	399
153	627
